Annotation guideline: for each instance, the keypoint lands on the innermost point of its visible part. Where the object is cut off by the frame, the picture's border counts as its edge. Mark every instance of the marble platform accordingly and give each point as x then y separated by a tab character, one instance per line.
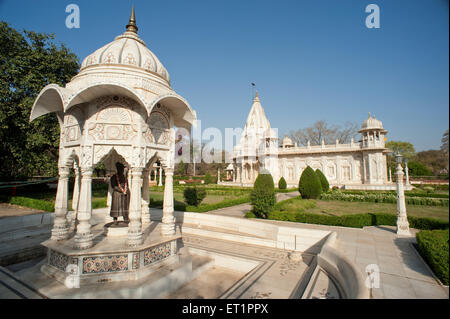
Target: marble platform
110	259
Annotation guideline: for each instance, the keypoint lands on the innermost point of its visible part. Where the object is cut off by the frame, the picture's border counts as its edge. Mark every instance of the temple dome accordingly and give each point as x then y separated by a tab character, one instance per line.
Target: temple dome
129	50
372	123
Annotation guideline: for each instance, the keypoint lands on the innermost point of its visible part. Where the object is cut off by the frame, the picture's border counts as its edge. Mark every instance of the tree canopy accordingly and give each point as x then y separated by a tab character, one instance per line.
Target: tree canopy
28	62
322	130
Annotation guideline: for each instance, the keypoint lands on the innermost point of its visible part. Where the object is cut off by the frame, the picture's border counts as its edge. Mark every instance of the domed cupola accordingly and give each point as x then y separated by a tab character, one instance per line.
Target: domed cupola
287	142
128	50
372	132
371	123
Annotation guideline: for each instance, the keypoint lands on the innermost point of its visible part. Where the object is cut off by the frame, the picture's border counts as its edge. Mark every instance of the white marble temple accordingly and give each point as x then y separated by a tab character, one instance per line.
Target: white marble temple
355	165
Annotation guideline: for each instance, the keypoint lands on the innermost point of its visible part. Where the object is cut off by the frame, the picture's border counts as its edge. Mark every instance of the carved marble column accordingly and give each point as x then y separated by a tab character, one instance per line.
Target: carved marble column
76	189
160	175
83	237
145	197
402	219
407	172
60	229
135	225
168	220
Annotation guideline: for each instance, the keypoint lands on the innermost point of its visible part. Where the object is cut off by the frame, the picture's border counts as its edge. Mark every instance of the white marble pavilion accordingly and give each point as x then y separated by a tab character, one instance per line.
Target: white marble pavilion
120	107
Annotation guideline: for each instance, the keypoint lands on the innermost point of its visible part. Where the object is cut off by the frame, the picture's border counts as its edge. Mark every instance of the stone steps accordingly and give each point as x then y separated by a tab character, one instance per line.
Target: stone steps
11	287
226	234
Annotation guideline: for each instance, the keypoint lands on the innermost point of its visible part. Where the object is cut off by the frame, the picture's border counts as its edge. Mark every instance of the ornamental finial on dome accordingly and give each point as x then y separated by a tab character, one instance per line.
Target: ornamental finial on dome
256	99
131	26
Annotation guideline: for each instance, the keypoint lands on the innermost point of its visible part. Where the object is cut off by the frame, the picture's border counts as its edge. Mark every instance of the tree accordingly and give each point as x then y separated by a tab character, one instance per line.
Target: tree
282	183
28	62
309	185
323	181
329	133
418	169
262	196
435	160
194	196
405	149
208	178
181	168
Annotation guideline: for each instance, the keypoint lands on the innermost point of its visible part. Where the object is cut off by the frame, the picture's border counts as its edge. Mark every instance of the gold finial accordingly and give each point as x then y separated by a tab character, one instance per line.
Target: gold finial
131	26
256	94
370	115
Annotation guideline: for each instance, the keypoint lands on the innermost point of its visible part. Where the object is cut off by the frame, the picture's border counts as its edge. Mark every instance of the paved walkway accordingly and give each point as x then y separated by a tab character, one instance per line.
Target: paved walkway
240	210
8	210
403	273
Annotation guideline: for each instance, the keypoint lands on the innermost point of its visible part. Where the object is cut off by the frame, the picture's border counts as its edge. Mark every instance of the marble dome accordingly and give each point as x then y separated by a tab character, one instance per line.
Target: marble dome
128	50
371	123
287	141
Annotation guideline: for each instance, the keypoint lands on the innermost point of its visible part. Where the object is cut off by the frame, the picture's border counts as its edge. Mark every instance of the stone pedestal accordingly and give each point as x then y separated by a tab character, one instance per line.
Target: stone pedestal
110	260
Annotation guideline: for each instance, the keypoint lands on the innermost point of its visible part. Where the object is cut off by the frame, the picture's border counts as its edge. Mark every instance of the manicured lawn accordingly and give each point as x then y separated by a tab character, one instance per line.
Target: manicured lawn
209	199
339	208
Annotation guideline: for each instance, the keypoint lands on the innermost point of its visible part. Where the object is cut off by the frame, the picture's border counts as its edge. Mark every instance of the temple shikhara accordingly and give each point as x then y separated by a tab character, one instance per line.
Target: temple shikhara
357	165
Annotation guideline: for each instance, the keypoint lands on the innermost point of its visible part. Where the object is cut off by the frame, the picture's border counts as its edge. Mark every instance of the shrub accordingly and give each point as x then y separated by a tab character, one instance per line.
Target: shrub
263	197
323	181
208	178
282	183
380	197
309	184
194	196
433	247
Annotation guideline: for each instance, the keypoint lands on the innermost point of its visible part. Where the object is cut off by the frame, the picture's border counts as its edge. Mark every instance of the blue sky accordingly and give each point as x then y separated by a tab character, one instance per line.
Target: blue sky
310	60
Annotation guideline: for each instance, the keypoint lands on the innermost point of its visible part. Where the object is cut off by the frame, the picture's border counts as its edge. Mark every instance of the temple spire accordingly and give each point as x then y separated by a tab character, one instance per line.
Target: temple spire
131	26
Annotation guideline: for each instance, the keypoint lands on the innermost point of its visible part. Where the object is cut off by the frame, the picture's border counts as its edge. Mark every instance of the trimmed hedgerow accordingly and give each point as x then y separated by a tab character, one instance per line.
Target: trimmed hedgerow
383	198
282	183
433	247
323	181
263	195
194	196
283	211
309	184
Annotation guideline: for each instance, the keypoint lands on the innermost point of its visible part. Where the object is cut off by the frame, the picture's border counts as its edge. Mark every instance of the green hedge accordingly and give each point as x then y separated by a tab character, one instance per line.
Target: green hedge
433	247
263	197
383	198
353	220
323	181
282	183
309	184
194	196
413	193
